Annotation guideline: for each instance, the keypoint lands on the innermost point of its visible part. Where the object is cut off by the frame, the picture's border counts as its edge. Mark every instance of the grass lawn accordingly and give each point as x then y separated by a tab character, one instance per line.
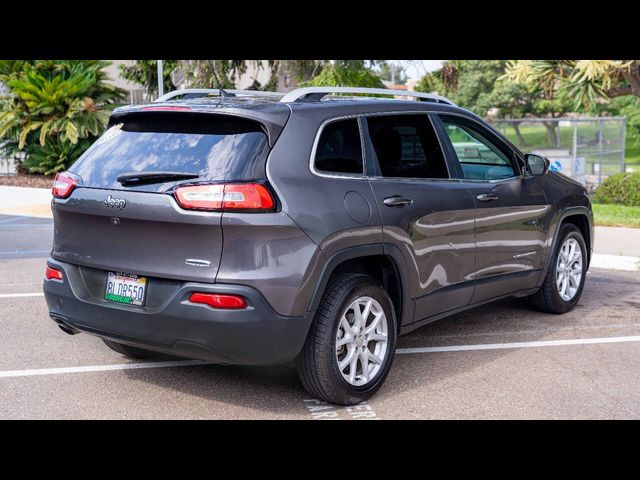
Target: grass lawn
632	156
616	215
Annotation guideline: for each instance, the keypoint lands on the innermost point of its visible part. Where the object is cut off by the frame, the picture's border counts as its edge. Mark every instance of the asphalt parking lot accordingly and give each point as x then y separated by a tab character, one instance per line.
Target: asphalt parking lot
502	360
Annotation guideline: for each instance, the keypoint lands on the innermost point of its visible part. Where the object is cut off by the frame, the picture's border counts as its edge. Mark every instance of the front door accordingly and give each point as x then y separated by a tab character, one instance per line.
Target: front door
425	212
511	209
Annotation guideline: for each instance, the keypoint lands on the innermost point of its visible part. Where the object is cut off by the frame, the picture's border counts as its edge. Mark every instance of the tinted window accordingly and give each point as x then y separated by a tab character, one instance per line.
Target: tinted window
339	148
216	147
406	146
479	157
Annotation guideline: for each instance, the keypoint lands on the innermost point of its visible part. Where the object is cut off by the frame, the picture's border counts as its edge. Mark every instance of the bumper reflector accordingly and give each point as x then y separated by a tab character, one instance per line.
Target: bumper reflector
217	300
52	274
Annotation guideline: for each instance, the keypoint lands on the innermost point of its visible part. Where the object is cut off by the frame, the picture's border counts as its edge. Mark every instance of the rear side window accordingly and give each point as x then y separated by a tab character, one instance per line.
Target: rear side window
215	147
407	146
339	148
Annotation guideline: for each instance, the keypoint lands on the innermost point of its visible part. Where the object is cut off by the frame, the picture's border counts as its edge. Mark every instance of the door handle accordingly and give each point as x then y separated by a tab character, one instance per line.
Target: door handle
487	197
397	201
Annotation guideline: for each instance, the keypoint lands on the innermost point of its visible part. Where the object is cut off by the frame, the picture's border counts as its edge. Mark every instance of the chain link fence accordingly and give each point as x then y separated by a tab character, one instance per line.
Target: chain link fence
586	149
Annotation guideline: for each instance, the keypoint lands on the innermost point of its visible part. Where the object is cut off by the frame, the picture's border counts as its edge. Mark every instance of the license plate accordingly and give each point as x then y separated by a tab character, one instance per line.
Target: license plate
125	288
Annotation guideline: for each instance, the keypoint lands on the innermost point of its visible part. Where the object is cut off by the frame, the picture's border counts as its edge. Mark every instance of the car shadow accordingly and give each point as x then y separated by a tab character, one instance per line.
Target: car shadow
278	391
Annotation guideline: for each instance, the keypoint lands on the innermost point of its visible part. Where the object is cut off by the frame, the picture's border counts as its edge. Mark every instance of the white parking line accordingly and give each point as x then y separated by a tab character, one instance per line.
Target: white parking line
320	410
100	368
191	363
502	346
19	295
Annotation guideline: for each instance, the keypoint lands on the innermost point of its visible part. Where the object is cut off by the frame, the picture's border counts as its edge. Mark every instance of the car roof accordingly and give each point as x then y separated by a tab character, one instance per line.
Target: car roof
274	114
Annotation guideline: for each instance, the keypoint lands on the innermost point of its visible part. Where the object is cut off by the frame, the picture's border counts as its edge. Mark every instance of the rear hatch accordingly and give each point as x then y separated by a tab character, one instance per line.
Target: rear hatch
123	216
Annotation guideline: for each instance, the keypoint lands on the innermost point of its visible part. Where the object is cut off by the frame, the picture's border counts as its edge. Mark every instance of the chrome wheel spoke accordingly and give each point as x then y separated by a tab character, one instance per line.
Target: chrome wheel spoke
364	363
376	321
344	324
365	314
357	319
374	357
353	367
351	353
344	340
377	337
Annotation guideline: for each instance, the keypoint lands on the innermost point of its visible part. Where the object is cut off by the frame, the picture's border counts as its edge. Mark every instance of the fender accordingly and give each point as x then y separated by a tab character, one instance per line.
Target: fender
360	251
557	220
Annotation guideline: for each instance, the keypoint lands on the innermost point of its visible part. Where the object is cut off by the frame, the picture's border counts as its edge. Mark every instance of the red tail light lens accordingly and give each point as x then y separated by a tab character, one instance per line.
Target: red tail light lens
64	184
229	196
216	300
52	274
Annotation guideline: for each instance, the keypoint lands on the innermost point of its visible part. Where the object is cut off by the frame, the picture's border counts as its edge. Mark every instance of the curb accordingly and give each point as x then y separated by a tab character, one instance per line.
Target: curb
615	262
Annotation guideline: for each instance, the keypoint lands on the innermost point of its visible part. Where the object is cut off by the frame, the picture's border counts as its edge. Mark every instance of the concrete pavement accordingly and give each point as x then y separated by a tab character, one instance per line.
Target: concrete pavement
492	362
25	201
618	241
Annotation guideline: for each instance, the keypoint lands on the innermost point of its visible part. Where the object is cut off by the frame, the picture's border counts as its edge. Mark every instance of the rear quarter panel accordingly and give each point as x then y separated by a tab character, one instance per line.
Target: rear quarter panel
316	204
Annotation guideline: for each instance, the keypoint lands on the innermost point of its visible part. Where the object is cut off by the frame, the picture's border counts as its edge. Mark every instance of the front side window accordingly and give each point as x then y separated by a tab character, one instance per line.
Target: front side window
406	146
339	148
479	157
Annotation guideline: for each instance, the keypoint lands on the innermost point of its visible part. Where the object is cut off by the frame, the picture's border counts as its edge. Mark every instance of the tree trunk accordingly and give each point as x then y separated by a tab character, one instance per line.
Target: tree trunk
553	138
521	141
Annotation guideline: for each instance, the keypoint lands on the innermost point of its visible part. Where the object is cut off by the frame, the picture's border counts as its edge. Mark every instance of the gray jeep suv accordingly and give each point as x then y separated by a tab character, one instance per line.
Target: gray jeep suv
254	228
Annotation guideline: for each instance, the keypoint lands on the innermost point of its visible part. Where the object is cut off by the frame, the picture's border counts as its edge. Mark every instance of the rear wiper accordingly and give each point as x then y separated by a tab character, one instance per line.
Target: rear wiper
154	177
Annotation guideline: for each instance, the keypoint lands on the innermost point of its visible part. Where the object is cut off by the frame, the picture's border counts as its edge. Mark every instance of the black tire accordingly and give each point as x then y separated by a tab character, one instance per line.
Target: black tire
317	363
128	350
547	298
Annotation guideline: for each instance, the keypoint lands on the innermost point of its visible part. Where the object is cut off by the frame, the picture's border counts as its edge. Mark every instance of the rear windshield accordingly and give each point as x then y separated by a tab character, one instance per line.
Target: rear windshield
215	147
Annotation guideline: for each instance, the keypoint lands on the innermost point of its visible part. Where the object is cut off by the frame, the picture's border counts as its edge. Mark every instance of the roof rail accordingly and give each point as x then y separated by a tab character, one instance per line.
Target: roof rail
310	94
203	92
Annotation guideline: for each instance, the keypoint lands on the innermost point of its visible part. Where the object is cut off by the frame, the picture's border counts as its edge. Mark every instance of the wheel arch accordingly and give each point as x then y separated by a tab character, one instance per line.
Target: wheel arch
382	263
581	221
582	218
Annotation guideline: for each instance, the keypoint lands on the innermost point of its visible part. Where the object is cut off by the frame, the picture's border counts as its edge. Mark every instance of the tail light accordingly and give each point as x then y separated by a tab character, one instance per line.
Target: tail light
52	273
252	197
216	300
63	184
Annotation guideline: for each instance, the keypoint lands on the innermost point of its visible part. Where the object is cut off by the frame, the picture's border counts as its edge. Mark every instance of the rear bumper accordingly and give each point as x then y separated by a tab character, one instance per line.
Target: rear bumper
256	335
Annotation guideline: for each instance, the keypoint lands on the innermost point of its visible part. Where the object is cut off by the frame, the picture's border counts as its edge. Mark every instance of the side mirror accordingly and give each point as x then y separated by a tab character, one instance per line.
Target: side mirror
536	164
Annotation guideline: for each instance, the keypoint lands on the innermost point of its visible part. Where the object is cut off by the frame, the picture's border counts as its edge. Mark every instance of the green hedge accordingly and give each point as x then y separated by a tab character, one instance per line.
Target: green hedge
620	189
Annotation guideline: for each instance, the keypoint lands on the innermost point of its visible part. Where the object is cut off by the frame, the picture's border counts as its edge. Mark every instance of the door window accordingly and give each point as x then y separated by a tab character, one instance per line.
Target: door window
407	146
479	157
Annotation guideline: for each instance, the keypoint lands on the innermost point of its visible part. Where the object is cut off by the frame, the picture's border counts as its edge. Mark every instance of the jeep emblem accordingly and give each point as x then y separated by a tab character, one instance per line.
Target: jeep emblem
112	202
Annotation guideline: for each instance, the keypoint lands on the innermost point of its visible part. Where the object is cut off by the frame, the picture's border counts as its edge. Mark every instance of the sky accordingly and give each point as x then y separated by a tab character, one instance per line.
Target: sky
417	68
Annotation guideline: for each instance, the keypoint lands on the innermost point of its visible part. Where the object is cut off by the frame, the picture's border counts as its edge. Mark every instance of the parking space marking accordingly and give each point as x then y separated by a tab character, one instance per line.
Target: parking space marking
19	252
100	368
321	410
191	363
18	295
502	346
14	219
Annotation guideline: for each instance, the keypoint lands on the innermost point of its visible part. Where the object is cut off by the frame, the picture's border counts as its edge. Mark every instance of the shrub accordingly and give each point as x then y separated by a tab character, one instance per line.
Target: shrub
54	111
621	189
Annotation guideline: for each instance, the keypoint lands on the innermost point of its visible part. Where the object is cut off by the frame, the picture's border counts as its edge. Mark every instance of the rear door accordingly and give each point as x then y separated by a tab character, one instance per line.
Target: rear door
511	209
425	212
138	227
